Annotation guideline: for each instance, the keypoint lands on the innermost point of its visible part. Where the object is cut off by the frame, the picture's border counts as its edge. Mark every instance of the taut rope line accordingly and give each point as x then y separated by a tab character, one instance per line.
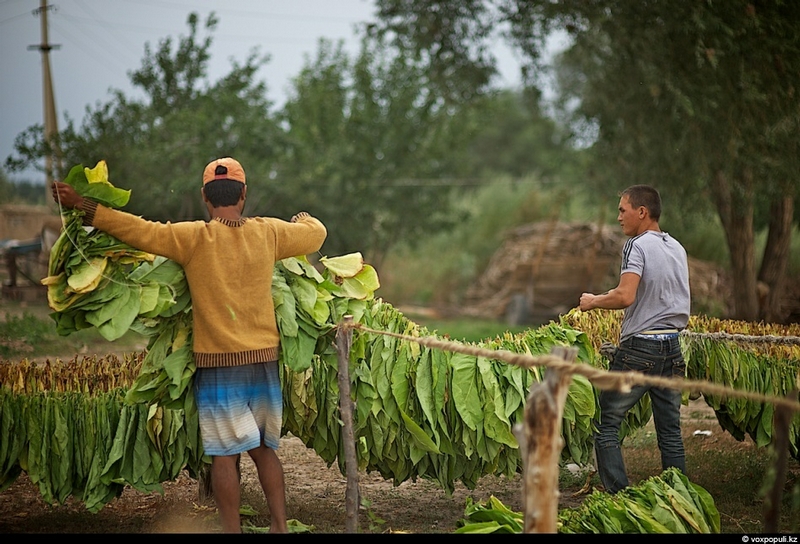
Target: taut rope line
604	379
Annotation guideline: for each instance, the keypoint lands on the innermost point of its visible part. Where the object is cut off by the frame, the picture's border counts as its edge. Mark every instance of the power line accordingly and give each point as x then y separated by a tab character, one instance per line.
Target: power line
148	30
14	18
192	6
103	24
79	41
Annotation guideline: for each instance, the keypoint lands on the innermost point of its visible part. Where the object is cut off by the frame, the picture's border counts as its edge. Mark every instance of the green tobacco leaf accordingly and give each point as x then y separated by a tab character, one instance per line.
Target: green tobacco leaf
482	528
305	294
710	511
102	193
422	439
149	298
127	309
361	286
465	390
301	267
285	306
581	396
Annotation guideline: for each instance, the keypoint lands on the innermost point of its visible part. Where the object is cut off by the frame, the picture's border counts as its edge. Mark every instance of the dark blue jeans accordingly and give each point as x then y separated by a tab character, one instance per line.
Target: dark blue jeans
654	358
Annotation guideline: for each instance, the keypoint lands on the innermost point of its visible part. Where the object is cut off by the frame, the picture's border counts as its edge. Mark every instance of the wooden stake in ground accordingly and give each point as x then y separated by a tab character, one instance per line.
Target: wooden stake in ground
540	442
780	448
344	339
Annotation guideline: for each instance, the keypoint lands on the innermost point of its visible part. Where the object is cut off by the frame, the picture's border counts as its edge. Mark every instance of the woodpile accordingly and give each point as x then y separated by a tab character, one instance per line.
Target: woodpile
541	269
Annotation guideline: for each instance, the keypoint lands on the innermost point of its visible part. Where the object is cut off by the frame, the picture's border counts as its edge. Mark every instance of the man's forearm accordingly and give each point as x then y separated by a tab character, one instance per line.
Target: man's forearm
612	300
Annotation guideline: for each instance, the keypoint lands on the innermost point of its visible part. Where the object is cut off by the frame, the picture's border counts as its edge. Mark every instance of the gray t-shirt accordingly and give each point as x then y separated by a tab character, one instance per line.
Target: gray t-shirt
662	299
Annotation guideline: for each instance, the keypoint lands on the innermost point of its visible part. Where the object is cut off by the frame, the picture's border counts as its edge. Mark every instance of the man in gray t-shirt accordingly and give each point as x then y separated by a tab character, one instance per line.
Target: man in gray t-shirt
654	292
662	297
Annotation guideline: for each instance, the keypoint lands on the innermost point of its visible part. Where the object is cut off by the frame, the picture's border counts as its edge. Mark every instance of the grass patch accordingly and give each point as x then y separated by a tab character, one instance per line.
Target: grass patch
29	332
466	330
737	479
21	335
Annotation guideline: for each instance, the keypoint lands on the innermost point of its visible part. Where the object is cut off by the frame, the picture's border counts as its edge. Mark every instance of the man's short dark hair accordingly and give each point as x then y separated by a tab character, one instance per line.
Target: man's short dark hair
644	195
223	192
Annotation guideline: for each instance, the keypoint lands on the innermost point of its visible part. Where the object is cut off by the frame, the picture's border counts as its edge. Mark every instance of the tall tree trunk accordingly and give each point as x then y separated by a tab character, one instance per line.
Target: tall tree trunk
776	257
735	208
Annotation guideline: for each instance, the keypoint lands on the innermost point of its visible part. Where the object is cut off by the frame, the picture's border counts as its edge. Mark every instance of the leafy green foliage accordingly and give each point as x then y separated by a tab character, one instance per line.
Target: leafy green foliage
664	504
668	503
99	190
697	99
371	144
449	37
772	374
491	516
159	144
429	413
365	140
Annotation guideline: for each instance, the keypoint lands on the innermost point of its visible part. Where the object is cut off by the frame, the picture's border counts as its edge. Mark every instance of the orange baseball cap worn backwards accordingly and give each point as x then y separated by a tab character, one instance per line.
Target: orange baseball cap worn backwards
225	168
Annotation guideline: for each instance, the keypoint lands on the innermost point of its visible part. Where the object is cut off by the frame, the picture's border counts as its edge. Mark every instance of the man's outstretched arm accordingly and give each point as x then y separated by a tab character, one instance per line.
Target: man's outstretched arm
618	298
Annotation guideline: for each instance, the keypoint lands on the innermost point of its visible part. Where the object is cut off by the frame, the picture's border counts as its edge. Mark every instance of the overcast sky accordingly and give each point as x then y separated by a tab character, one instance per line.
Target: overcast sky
100	41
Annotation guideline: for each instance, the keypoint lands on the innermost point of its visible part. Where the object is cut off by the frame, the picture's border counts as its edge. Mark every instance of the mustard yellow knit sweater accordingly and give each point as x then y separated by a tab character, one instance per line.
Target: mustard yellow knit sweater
228	266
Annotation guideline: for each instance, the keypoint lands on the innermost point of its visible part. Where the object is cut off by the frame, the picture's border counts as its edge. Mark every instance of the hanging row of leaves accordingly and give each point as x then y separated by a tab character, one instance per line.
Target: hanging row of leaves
605	326
664	504
90	446
742	369
434	414
766	367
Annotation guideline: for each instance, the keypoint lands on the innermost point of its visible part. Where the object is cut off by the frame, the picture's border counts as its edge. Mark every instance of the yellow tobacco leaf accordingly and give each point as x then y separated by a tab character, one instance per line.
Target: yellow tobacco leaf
98	174
88	275
53	280
344	266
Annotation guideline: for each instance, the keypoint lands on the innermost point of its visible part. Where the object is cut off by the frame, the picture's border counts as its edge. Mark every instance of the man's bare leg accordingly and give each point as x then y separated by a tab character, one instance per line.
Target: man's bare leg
225	487
270	475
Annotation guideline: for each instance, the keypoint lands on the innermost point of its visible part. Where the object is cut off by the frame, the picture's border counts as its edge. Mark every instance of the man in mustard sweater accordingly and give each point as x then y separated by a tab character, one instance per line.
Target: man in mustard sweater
228	263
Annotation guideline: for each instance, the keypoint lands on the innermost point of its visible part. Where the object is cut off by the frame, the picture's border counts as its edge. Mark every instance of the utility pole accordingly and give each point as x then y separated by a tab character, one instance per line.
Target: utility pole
52	160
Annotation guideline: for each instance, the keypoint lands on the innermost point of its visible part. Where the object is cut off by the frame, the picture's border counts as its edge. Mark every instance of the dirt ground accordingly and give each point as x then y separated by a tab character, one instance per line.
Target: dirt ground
316	495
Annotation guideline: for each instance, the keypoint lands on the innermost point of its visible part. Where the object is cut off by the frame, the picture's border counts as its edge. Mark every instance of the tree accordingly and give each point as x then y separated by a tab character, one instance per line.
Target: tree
450	38
363	143
696	98
699	98
159	145
371	147
514	138
381	152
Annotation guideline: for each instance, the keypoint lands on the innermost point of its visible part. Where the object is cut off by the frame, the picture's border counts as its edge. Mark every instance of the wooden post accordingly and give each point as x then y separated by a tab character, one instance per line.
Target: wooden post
540	441
344	338
782	420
